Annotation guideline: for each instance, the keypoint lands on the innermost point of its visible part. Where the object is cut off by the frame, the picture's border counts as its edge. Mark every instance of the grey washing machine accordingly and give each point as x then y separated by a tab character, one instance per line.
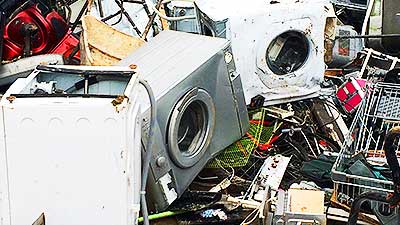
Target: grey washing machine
200	107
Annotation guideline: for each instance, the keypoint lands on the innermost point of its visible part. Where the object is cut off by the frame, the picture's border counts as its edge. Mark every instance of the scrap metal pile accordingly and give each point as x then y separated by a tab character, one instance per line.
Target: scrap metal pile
270	112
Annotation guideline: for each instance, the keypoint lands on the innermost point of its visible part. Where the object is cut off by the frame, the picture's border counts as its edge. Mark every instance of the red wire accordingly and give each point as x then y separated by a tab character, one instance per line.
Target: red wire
263	122
266	146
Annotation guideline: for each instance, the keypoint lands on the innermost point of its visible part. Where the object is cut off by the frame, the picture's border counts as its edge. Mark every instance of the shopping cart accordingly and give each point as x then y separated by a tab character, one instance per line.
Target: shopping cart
363	149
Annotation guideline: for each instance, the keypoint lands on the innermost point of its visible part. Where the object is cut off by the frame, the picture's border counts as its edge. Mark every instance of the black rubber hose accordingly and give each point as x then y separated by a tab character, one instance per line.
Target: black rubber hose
146	163
356	206
391	156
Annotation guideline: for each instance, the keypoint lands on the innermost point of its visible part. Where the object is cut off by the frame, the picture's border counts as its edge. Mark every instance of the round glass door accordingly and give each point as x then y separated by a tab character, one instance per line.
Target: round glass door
190	129
287	52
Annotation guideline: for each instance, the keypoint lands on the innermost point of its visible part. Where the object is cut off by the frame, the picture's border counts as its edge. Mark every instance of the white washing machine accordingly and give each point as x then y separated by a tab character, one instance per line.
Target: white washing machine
70	147
278	47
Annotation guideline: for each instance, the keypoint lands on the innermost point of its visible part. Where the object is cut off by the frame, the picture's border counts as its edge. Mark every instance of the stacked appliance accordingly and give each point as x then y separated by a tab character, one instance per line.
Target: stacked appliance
200	107
70	147
278	47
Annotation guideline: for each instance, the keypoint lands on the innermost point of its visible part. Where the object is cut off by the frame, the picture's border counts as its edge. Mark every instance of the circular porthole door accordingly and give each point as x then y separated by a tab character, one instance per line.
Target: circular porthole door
190	128
287	52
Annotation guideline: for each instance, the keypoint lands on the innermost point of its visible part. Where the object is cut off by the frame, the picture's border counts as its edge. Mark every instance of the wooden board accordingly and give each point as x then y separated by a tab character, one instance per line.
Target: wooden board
102	45
306	201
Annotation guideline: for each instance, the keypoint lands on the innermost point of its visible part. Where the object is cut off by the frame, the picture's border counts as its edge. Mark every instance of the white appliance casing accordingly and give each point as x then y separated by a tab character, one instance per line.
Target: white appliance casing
77	160
252	27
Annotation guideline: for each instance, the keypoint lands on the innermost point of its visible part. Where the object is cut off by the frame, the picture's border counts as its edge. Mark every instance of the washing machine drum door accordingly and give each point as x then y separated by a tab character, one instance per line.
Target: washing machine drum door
191	126
287	52
284	59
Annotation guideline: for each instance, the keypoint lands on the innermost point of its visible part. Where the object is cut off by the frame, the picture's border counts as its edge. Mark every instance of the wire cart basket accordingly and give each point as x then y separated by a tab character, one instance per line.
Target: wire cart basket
377	114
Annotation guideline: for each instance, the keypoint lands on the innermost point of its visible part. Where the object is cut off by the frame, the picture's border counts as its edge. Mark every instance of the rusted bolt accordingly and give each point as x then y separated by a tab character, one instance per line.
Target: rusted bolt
118	100
11	98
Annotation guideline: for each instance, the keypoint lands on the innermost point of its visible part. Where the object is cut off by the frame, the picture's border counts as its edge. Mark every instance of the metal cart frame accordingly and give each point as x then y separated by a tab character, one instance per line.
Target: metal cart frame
377	114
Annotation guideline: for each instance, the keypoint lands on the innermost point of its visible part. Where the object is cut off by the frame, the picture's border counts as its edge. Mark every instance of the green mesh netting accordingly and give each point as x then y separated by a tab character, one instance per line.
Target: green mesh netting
238	154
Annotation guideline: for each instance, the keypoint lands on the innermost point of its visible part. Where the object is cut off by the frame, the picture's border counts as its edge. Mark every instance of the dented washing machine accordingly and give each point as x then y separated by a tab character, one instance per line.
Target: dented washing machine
200	108
278	47
70	147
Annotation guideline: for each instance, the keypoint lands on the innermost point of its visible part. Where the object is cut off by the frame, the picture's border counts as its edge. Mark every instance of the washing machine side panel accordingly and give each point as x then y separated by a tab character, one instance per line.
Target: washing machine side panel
135	167
244	32
67	159
242	113
133	126
237	90
228	104
4	198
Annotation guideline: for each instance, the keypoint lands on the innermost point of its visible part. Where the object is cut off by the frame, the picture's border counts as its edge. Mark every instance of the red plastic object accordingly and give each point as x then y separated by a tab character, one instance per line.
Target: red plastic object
351	93
66	46
52	30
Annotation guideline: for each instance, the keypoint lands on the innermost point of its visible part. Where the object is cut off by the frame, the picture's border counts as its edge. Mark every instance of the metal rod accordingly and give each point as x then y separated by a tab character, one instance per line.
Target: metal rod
129	18
146	8
151	20
101	8
73	53
75	24
133	1
121	6
111	16
368	36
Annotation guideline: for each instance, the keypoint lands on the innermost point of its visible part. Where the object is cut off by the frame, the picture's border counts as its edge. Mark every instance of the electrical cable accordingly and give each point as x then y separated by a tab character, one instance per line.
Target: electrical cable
255	212
149	146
